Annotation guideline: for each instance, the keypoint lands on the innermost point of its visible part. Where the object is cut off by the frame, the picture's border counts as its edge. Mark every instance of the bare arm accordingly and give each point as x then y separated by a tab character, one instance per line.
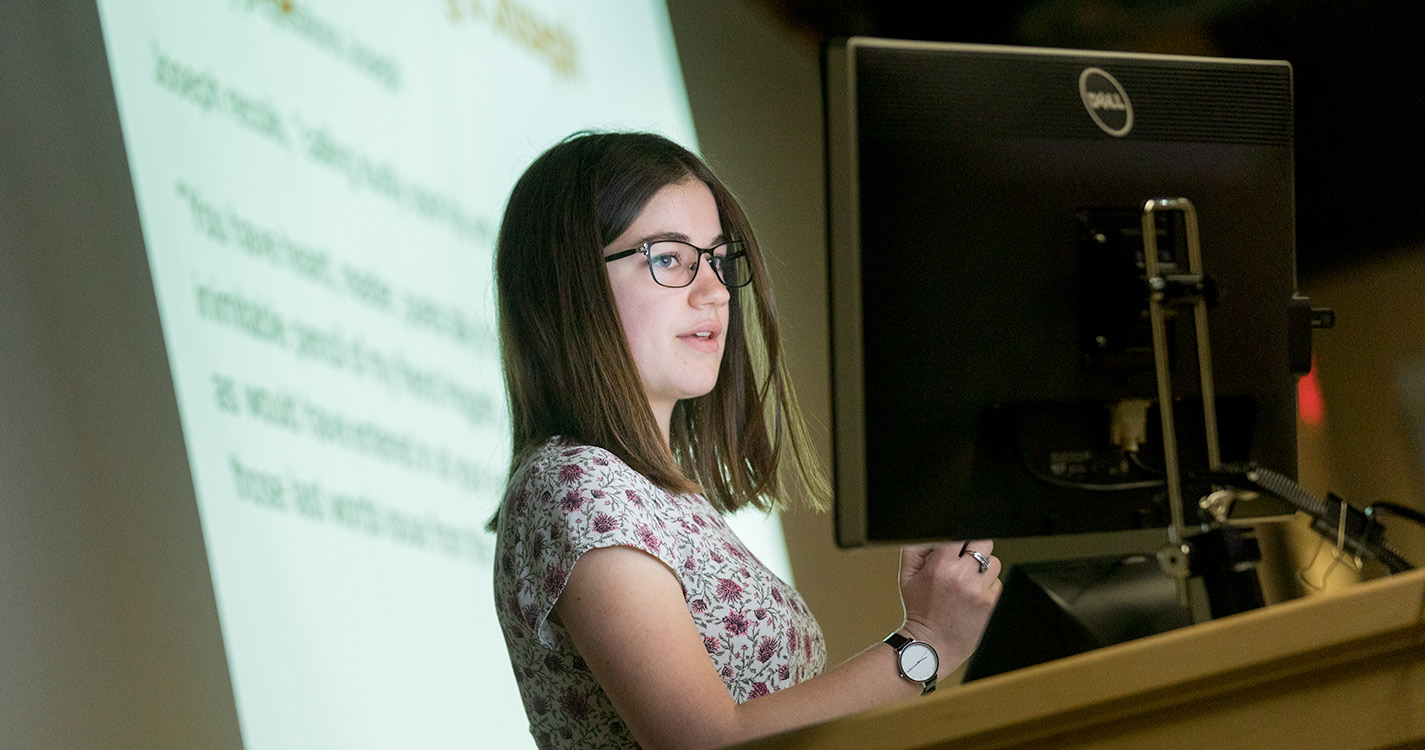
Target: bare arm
625	611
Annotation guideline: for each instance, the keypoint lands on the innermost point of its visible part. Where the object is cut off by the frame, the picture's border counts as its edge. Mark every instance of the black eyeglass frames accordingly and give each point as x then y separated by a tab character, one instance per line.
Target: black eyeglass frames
675	263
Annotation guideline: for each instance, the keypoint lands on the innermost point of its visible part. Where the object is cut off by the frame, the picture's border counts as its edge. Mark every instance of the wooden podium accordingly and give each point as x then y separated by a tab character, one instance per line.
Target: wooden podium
1334	672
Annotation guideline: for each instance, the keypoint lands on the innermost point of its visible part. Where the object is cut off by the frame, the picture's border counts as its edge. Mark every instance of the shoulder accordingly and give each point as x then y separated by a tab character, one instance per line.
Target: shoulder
562	465
557	454
561	478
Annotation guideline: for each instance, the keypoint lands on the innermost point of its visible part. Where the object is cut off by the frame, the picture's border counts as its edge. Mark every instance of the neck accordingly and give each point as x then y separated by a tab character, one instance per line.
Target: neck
663	413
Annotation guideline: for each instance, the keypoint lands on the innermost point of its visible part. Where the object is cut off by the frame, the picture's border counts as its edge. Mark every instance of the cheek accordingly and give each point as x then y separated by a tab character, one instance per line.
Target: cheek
644	352
640	333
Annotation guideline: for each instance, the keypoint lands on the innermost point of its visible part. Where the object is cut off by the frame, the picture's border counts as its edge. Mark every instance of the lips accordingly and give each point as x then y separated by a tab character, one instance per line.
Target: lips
705	337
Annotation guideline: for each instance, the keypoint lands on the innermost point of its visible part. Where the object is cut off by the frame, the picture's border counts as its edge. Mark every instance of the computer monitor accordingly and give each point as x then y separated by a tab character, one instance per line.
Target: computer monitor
988	285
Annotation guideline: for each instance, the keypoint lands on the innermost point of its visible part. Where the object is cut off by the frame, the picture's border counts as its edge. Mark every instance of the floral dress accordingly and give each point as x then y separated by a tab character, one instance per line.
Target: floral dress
759	634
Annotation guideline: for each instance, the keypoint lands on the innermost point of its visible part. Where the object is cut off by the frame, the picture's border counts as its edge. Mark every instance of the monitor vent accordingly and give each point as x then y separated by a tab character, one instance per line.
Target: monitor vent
927	94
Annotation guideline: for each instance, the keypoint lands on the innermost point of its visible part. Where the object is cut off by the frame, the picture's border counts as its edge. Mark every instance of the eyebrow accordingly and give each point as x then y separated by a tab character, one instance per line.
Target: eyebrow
721	239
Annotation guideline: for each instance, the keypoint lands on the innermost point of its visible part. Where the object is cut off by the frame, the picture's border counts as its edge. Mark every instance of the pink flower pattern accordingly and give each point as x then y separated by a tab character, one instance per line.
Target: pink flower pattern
571	499
728	590
570	473
604	523
766	649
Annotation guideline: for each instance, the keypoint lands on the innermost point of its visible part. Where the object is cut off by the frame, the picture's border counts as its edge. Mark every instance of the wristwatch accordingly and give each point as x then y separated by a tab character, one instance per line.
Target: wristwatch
916	660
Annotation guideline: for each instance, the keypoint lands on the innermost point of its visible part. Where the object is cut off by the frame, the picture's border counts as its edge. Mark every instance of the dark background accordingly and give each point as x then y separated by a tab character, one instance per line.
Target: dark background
1359	82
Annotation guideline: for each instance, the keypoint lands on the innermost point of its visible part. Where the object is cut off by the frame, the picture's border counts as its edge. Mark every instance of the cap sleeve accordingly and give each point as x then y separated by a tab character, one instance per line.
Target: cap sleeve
572	499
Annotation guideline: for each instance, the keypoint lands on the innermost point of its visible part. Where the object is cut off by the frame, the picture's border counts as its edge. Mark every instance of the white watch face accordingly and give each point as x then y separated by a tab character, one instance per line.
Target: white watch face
918	662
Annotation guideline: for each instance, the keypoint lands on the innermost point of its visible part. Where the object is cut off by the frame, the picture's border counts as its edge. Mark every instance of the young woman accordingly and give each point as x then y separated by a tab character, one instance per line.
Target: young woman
647	397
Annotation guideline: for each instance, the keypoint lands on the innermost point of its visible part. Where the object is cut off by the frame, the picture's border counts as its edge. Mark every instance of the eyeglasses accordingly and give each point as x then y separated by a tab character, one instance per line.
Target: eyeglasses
674	263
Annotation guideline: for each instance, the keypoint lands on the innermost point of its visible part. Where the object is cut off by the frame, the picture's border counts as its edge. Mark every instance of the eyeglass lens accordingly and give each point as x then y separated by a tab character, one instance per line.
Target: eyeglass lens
676	263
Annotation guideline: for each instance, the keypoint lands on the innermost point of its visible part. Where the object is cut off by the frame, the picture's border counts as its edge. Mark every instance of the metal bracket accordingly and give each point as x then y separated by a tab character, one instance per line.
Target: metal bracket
1158	300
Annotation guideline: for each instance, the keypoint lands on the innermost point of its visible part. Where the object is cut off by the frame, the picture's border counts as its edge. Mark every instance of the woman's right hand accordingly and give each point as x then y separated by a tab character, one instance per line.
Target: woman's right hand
947	599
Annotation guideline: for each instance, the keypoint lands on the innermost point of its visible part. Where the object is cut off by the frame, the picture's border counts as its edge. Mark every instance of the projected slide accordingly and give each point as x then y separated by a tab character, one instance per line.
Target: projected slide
319	185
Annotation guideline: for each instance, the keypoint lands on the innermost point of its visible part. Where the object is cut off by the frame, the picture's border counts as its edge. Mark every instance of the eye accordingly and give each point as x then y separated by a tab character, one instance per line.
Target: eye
734	258
665	256
733	268
664	261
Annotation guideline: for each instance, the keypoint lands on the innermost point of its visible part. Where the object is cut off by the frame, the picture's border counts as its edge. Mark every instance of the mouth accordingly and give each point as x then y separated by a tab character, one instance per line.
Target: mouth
704	338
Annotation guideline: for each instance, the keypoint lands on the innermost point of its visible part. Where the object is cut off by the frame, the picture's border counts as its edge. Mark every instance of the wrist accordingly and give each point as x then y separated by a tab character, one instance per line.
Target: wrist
916	660
920	631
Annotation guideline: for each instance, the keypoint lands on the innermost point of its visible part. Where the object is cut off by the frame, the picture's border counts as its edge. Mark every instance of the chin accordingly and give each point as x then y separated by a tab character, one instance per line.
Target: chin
700	389
699	393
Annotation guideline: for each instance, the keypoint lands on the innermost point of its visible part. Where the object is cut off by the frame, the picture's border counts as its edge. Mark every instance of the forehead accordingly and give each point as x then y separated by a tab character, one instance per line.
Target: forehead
683	210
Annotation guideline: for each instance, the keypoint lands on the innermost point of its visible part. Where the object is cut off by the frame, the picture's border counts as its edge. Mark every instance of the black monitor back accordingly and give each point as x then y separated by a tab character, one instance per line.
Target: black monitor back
984	230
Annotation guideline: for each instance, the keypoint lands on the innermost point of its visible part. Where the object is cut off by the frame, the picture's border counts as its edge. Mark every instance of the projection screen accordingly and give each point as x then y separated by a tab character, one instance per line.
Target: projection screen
317	189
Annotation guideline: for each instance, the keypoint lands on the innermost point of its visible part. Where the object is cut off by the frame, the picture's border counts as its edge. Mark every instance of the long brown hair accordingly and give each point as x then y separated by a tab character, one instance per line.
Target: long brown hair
568	369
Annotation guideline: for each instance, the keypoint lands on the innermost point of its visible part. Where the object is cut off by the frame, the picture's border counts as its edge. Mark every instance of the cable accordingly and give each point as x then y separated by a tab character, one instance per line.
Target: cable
1410	514
1137	461
1287	489
1041	476
1367	534
1363	531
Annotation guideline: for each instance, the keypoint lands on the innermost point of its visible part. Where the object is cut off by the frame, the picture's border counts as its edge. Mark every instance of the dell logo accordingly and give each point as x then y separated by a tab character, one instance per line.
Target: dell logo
1097	100
1106	101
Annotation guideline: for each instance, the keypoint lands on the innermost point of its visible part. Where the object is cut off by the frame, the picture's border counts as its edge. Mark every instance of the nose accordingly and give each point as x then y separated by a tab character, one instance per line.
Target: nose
707	289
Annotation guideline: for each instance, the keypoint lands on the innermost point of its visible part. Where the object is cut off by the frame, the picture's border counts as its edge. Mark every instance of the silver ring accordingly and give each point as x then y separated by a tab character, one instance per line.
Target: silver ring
979	558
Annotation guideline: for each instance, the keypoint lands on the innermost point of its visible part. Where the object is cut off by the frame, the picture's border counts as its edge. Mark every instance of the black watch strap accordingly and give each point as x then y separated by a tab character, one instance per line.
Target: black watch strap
897	641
